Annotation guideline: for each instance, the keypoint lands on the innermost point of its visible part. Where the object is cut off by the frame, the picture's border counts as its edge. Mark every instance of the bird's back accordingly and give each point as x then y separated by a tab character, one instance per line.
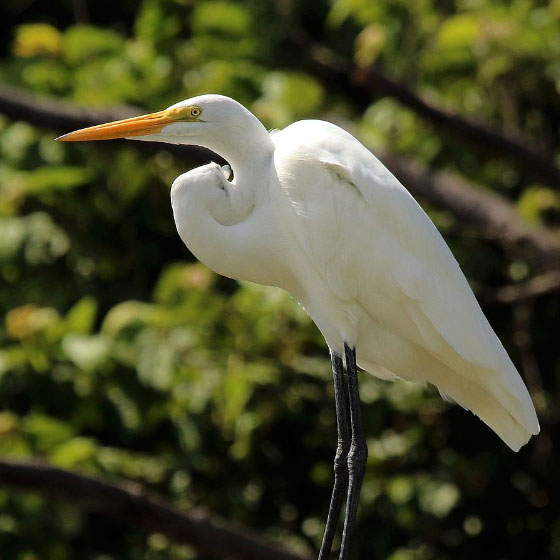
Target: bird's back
382	276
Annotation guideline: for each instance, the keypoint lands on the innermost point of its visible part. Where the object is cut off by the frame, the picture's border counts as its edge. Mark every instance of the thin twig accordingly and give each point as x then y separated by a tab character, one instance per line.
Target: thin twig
207	533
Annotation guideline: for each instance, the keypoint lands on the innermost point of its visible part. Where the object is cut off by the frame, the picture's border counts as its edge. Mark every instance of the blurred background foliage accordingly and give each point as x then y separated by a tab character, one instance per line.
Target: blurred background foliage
120	356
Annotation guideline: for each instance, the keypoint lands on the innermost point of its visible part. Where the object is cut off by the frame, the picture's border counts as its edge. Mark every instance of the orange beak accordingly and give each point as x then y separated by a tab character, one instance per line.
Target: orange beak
135	126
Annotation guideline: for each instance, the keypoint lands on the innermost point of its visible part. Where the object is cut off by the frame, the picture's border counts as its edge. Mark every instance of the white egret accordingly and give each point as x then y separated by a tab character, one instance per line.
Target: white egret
309	209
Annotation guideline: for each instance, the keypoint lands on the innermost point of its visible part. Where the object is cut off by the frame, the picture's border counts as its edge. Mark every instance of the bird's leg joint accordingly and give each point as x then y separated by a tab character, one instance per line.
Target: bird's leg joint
341	457
357	456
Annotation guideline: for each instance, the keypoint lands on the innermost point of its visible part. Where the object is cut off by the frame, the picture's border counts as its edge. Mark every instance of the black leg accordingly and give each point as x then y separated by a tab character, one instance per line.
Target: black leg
340	460
357	456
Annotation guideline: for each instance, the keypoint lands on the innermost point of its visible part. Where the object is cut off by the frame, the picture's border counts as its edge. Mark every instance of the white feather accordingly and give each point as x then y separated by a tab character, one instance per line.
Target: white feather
312	211
379	254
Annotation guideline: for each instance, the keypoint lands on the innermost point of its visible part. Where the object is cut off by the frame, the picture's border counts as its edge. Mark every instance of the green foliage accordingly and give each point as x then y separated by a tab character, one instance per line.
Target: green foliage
122	357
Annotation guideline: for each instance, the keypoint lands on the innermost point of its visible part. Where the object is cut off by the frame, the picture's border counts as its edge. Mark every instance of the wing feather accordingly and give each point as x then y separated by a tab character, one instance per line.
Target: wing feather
372	243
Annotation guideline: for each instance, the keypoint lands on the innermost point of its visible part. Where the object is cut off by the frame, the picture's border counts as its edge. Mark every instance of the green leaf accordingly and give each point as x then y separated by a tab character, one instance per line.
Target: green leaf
16	141
363	11
222	30
535	200
458	31
126	314
46	431
73	452
81	317
55	178
156	22
288	96
437	498
178	278
221	18
87	352
13	232
82	42
37	38
401	489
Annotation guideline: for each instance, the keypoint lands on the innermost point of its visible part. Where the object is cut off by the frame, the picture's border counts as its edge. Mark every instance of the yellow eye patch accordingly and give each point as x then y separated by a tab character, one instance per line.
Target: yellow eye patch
184	113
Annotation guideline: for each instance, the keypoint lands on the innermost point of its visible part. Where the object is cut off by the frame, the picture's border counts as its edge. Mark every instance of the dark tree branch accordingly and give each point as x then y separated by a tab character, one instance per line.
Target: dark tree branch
542	284
486	140
131	503
64	117
54	115
491	213
365	83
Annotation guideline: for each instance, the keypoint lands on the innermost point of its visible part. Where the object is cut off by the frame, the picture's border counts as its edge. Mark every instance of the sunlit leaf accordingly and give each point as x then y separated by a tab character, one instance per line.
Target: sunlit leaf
55	178
87	352
46	431
81	317
73	452
458	31
27	320
37	38
82	42
221	18
369	44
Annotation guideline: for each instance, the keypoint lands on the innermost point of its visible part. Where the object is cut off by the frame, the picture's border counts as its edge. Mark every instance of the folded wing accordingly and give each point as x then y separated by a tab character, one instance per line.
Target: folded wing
371	241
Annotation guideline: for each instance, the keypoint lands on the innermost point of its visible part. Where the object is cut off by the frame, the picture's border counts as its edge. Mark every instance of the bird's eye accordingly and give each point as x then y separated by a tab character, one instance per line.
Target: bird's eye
195	111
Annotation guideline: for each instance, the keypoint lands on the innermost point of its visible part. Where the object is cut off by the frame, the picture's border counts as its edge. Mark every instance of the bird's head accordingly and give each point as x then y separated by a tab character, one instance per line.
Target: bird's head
194	121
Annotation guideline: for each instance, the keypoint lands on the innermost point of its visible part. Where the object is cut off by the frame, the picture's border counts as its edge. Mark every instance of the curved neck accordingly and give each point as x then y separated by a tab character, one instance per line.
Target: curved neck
216	220
246	145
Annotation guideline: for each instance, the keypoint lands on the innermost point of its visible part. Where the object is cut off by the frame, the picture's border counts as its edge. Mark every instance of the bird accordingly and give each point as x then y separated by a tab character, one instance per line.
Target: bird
311	210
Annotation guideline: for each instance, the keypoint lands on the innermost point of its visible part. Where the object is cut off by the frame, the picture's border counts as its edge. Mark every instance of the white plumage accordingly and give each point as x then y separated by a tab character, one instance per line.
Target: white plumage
337	230
312	211
408	307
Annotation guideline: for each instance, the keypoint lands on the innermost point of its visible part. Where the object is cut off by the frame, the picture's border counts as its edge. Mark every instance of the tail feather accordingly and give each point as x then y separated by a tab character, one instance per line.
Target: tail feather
513	429
499	398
